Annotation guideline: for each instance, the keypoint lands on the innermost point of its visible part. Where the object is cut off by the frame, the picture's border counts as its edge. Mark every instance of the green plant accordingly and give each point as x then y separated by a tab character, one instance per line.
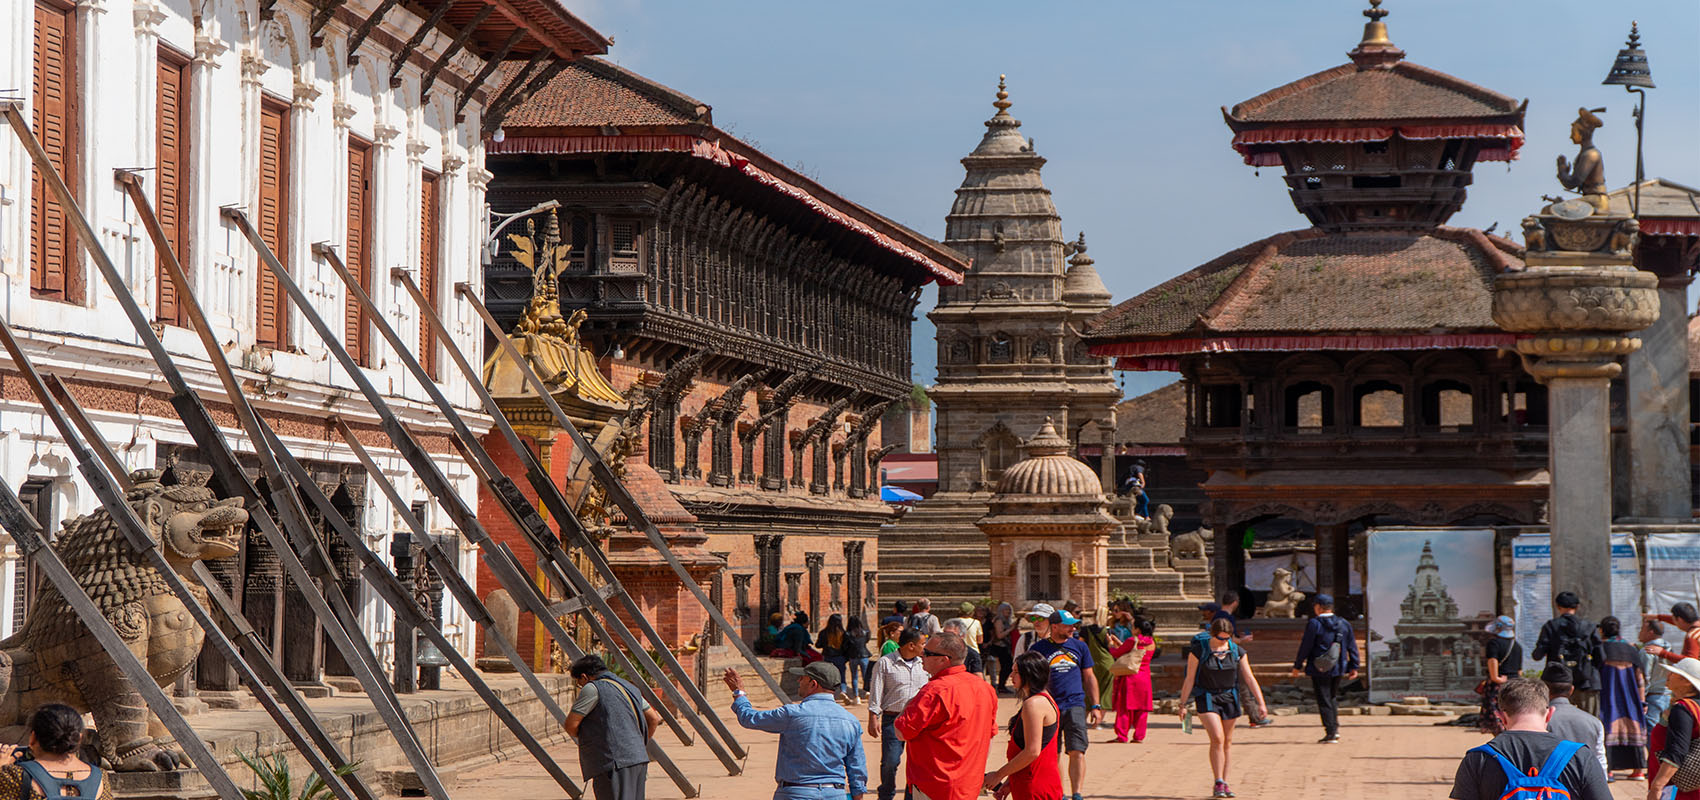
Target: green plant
1132	599
277	784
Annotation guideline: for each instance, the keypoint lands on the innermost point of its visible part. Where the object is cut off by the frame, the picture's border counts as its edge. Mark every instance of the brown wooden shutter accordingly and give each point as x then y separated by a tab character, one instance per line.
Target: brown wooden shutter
171	126
430	239
54	269
355	251
271	323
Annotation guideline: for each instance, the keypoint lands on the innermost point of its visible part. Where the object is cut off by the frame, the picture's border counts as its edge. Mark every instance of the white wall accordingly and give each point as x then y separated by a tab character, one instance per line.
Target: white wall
236	59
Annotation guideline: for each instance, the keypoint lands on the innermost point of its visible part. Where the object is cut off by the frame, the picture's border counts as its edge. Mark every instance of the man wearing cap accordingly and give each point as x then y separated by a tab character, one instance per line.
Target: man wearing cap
1574	642
898	677
1039	616
1328	652
972	631
820	743
1568	722
949	725
1074	687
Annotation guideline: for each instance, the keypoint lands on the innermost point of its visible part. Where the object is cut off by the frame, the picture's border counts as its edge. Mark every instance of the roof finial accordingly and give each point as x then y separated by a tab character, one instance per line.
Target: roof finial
1634	34
1376	50
1375	12
1002	104
1080	243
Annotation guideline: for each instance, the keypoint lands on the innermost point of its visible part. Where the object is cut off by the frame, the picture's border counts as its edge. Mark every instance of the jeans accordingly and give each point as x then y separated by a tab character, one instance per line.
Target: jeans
1006	662
808	793
1328	702
854	670
839	662
1657	705
891	756
1142	504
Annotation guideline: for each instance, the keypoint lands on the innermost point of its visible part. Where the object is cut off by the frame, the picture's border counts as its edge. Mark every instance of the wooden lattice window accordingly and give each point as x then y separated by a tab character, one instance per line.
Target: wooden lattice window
55	272
430	241
357	249
1044	576
171	185
271	319
623	245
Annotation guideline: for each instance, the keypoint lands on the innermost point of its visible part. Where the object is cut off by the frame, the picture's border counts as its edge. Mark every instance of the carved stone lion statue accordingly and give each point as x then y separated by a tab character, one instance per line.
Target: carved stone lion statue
1283	598
1157	523
1189	545
55	658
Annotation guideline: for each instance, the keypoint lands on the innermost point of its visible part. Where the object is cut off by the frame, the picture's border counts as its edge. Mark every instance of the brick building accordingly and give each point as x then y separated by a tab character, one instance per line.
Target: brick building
755	323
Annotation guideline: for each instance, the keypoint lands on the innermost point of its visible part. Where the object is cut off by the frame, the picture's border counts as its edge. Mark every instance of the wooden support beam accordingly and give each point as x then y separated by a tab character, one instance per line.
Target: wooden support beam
493	108
323	11
519	18
454	47
359	36
483	75
412	44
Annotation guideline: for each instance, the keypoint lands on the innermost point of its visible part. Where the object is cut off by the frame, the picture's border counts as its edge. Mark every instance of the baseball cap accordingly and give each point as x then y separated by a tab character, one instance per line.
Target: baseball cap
1040	610
1211	607
1504	628
821	672
1557	673
1064	618
1323	599
966	608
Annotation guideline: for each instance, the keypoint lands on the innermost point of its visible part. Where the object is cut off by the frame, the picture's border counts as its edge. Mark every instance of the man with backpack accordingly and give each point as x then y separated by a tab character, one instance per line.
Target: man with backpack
1328	652
923	620
1526	762
1574	642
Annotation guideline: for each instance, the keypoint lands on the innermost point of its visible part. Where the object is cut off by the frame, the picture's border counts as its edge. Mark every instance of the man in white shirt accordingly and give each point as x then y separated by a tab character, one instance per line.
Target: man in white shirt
898	676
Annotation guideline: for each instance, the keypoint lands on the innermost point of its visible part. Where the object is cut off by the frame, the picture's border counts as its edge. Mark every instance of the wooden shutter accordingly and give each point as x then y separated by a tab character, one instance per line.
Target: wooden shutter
271	321
355	251
171	125
54	270
430	241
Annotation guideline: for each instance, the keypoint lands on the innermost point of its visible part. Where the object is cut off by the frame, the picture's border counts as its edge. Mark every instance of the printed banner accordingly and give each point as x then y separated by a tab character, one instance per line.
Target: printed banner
1430	593
1531	588
1673	563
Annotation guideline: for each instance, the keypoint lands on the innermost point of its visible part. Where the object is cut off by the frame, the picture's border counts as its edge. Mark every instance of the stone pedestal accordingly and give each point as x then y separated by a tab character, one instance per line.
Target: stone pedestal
1578	302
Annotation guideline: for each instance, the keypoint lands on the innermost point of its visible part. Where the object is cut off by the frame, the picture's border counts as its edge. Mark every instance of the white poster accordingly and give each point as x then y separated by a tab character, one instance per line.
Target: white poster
1673	564
1531	589
1431	592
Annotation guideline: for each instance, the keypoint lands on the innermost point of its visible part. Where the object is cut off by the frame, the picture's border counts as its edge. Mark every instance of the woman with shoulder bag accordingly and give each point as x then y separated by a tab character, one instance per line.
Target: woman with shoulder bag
1215	667
1504	662
56	731
1675	754
1131	674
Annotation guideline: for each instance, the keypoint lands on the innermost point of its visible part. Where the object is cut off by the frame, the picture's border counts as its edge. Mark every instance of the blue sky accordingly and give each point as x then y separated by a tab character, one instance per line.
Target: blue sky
879	100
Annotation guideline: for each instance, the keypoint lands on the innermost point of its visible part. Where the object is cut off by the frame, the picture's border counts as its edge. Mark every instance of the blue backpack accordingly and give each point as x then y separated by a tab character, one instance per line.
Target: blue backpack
1540	785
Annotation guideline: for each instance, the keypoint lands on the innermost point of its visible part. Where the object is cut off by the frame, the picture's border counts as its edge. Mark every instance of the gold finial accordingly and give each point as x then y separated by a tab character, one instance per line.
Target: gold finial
1375	31
1002	104
1375	12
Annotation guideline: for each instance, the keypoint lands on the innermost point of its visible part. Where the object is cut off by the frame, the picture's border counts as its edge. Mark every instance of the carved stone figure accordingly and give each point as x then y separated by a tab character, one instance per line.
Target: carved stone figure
1157	523
1283	599
1188	545
55	658
1588	175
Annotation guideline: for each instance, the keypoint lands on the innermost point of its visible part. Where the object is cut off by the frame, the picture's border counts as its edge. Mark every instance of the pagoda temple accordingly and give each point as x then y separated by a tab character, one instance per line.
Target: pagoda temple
1294	348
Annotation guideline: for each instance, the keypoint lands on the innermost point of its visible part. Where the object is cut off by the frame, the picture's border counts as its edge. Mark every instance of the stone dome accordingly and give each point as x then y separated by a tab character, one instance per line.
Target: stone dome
1082	284
1049	470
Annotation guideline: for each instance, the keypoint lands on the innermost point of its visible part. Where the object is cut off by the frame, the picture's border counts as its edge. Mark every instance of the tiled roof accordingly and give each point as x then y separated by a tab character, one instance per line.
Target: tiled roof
1348	93
592	92
1153	418
1660	199
1317	284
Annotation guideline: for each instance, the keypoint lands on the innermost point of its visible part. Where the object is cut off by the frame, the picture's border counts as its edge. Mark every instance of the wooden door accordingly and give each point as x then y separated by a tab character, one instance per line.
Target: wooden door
54	269
171	191
271	320
356	250
430	243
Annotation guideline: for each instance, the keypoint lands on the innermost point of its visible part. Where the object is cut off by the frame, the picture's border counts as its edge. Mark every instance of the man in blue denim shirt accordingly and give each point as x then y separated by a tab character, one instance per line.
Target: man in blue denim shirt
820	743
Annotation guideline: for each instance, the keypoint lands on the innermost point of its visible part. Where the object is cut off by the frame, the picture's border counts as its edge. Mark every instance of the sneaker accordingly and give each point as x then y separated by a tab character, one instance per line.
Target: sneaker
1263	723
1226	792
1334	739
1220	790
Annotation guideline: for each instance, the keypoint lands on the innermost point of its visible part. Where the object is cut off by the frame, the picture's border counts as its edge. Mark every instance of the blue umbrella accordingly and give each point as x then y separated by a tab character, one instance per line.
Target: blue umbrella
892	494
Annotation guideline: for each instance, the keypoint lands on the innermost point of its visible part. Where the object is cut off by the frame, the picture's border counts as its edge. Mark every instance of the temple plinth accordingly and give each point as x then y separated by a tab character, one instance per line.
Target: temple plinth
1578	304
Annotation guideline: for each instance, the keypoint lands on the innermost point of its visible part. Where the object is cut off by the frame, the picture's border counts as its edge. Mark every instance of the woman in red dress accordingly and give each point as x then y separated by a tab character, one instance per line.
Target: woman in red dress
1675	736
1131	695
1031	773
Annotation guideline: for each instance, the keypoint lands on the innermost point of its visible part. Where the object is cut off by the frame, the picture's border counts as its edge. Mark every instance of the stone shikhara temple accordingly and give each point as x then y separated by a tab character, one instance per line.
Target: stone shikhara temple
1433	649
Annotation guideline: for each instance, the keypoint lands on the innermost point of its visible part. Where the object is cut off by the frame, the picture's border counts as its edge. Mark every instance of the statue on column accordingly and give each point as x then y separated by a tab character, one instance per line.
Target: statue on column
1588	175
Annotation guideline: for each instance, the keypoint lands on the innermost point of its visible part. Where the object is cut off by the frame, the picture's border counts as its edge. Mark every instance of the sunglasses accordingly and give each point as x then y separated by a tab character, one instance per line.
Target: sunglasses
925	653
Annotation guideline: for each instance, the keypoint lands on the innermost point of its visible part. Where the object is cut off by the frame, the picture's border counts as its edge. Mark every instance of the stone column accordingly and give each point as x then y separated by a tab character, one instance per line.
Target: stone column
1578	303
1656	377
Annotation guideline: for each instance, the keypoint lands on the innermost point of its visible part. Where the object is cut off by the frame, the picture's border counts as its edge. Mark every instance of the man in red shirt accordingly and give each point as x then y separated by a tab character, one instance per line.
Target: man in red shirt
949	725
1684	616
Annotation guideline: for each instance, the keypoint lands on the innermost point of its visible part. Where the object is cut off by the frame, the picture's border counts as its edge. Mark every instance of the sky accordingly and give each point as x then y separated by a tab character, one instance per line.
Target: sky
880	99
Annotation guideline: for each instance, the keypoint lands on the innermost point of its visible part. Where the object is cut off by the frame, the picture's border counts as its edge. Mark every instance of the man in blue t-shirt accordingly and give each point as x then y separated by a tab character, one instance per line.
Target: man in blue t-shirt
1072	683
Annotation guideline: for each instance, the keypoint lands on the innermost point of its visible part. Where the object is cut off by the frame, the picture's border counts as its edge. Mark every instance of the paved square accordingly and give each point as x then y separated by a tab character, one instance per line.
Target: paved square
1379	757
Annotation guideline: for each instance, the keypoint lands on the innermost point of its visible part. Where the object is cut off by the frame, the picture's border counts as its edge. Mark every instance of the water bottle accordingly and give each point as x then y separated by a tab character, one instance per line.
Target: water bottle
1186	723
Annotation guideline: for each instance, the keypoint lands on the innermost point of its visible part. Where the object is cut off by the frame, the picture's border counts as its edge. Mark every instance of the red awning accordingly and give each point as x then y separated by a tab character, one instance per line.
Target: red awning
1511	135
1149	356
1670	227
712	151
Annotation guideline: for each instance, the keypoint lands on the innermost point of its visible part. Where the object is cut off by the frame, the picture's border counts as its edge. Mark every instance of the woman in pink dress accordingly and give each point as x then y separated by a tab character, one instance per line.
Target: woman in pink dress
1131	697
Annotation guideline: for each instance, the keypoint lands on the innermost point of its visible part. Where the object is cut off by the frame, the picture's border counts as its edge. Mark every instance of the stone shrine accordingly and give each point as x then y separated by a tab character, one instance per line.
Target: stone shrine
1431	647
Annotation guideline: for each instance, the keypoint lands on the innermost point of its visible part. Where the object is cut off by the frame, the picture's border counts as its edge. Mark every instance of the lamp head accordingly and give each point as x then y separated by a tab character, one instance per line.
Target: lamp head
1630	68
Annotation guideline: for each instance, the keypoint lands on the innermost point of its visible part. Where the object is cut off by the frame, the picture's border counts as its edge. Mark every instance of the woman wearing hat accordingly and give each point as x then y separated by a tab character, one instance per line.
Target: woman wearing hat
1674	738
1504	662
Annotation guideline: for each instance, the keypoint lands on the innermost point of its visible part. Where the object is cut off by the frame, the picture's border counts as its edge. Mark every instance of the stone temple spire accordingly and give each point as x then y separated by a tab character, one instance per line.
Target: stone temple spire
1082	285
1002	134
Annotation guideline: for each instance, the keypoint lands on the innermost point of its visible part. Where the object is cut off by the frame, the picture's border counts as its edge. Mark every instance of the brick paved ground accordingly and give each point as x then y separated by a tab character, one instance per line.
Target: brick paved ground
1381	757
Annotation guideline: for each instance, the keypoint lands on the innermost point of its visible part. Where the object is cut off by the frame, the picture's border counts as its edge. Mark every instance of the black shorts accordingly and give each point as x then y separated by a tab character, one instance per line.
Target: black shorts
1225	703
1073	722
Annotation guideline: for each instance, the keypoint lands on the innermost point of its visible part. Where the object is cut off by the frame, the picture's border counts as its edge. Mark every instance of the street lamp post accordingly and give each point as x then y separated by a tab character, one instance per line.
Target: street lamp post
491	243
1630	71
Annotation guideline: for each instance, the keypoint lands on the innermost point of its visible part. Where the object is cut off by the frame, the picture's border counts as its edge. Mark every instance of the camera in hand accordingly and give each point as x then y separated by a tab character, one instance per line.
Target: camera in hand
22	754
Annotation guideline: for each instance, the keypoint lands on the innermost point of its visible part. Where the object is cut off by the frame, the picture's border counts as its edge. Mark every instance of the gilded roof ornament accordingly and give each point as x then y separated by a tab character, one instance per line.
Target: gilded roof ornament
1376	50
1002	104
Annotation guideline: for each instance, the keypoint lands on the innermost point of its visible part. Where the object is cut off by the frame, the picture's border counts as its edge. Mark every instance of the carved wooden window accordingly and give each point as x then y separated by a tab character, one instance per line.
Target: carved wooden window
1044	576
663	427
55	271
624	241
430	247
578	241
1308	407
171	185
1223	405
271	317
37	497
357	248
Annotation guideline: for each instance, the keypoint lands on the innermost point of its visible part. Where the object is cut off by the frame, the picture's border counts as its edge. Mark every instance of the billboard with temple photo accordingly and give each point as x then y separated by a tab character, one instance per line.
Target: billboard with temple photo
1430	596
